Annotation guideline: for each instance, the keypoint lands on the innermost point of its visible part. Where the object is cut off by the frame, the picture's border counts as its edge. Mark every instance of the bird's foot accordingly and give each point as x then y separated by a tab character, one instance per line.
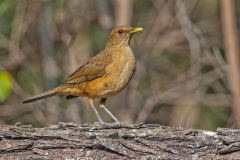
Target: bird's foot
116	123
102	122
119	123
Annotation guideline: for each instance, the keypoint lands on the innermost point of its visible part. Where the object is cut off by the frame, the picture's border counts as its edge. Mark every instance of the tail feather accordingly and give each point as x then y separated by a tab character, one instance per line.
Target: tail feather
41	96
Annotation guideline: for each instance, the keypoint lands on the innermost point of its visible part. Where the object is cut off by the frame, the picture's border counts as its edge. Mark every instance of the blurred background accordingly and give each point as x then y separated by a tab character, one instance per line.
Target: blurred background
187	60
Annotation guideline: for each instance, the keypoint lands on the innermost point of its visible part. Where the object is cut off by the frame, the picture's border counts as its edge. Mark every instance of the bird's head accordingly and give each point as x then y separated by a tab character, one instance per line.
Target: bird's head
120	36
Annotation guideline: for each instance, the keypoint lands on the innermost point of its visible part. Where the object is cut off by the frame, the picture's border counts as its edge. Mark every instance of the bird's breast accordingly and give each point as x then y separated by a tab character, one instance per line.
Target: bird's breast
118	75
120	71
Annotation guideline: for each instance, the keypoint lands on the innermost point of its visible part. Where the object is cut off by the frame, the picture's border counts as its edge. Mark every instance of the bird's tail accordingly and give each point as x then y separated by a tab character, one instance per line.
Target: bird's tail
47	94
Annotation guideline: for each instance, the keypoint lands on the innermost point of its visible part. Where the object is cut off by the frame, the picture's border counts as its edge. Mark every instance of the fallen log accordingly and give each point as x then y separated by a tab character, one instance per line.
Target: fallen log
116	141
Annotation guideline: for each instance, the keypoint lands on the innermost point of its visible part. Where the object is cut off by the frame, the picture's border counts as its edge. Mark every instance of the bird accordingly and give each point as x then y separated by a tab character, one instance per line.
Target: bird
103	76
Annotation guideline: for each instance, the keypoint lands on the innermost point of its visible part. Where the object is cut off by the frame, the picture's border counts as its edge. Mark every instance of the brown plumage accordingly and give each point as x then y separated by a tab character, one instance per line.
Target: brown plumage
104	75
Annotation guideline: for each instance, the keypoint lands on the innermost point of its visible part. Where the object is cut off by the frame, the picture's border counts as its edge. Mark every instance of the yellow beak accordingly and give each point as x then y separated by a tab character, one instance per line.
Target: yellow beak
135	30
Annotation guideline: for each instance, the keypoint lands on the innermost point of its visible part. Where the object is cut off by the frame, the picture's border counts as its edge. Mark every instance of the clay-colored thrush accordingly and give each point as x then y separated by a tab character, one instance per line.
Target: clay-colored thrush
104	75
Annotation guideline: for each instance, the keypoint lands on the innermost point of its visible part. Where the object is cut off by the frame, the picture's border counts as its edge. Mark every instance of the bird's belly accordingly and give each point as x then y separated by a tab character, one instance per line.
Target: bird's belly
113	83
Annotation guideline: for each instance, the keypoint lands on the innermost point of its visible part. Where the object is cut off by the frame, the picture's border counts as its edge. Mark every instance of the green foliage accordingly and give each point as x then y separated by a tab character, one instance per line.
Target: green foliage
97	43
60	3
7	9
213	117
5	85
176	61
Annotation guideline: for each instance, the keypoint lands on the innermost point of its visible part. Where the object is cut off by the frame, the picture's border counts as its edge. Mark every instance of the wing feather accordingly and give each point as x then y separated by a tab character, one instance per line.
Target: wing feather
93	69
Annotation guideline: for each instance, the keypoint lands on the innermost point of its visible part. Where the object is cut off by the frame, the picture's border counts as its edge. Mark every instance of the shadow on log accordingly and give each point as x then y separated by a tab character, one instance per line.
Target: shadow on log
125	141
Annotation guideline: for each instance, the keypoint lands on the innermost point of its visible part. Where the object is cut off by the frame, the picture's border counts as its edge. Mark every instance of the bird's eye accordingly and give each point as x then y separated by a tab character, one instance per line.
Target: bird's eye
120	31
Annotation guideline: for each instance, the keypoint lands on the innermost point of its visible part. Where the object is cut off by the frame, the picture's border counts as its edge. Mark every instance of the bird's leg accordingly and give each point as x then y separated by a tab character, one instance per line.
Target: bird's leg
90	100
102	106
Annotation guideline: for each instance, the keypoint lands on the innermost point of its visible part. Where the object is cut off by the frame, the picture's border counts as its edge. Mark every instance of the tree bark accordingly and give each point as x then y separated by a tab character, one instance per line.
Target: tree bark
113	141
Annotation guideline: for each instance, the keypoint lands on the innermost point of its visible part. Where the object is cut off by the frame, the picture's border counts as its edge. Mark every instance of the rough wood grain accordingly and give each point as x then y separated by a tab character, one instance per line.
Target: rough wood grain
125	141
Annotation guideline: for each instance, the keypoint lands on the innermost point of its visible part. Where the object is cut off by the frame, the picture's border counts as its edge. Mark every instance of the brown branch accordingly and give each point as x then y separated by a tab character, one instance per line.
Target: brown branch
178	90
232	51
123	12
125	141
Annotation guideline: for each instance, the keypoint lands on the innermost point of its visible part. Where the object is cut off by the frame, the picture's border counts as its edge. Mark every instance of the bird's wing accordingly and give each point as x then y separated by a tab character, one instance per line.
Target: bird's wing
95	68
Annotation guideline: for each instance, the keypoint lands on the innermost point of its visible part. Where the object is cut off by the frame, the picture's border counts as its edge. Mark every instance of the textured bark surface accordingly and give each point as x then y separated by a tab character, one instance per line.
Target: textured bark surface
125	141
